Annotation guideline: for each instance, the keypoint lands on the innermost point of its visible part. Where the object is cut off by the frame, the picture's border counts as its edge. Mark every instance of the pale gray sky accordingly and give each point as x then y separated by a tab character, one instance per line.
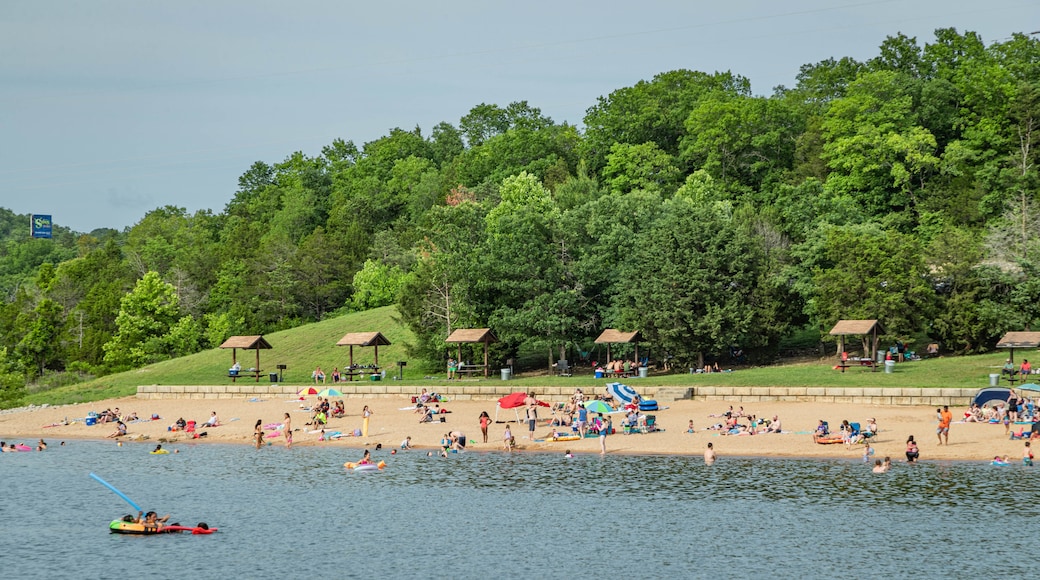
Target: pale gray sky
111	108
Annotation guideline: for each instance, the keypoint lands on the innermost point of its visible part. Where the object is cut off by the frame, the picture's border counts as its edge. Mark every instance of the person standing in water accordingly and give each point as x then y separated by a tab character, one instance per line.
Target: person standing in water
258	434
287	429
709	454
603	432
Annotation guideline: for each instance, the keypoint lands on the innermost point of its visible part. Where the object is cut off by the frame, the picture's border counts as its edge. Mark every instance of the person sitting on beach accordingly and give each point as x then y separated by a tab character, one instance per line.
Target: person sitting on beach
335	374
728	413
427	415
318	376
423	398
181	424
821	429
690	428
774	425
120	430
213	421
407	443
339	411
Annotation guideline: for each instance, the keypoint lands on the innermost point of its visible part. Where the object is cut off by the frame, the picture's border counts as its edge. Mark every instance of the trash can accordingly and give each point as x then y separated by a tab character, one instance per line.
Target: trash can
994	380
273	377
890	366
881	357
643	371
506	373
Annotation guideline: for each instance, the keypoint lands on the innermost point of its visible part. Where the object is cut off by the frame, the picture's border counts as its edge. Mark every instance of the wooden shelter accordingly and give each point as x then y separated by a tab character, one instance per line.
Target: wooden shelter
473	336
615	336
870	330
247	343
1020	339
373	339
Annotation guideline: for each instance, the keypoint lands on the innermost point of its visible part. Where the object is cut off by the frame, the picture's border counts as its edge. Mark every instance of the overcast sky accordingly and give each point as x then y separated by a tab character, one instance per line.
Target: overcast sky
111	108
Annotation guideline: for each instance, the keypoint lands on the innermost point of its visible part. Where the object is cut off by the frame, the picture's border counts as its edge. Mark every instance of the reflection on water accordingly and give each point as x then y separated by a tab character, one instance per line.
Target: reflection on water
298	512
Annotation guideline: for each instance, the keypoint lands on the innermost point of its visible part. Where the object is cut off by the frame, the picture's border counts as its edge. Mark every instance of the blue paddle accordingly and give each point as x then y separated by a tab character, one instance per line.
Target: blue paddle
117	492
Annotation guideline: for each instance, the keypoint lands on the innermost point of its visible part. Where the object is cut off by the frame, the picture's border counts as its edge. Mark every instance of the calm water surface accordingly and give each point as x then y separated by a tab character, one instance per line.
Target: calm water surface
298	514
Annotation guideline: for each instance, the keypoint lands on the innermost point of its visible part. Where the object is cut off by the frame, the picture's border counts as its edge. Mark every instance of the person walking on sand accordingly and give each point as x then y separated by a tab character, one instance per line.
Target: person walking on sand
709	454
485	420
287	429
603	432
365	413
507	439
943	431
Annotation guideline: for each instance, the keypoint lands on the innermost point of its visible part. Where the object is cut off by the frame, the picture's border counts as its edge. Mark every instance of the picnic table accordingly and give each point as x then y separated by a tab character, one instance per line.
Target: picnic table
471	369
244	373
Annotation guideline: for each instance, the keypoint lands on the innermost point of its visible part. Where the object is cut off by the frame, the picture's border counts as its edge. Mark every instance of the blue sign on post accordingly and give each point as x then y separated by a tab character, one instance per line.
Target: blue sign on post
40	226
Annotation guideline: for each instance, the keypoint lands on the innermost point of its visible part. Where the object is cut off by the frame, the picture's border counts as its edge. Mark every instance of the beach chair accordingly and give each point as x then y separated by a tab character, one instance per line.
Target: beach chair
189	427
650	425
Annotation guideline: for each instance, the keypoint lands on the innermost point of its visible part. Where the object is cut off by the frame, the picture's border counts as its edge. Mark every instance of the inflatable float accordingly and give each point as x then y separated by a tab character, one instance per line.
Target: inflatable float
828	439
566	438
364	466
121	527
160	452
22	447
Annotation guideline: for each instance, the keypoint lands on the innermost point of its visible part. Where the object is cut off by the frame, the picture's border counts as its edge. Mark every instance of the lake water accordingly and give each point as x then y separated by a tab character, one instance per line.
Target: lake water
298	513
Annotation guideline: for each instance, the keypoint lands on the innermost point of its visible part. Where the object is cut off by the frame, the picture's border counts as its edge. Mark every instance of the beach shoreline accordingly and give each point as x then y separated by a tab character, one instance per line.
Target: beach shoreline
392	422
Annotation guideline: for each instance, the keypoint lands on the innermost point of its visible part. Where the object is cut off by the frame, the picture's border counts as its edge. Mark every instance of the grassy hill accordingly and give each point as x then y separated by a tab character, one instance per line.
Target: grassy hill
305	347
301	349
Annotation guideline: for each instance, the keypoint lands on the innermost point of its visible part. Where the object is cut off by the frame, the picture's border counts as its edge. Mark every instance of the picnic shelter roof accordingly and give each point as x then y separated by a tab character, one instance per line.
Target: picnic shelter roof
472	335
1019	340
248	342
613	335
363	339
856	327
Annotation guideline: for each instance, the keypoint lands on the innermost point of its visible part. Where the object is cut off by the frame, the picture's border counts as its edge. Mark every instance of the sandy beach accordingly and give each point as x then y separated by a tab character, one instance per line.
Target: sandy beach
390	425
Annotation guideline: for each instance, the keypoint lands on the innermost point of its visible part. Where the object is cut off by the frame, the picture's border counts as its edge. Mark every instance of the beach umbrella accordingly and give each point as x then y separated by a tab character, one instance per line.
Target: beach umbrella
598	406
623	394
514	401
330	392
307	392
1029	387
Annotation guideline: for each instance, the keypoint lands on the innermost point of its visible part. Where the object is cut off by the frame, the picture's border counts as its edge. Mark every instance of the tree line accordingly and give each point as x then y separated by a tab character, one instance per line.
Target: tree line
902	188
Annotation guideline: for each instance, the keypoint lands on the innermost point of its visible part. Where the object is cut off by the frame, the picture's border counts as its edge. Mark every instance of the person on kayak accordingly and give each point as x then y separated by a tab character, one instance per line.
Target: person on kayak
152	520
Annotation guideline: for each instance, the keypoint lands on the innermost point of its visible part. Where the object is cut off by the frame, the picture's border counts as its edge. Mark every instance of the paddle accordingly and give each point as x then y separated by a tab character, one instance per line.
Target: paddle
117	492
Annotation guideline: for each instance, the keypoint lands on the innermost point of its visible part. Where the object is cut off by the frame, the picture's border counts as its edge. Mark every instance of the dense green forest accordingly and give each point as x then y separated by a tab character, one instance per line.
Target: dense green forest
902	188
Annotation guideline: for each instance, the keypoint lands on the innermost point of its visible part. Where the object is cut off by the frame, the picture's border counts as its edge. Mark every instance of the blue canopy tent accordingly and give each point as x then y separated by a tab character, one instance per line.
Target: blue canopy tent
991	394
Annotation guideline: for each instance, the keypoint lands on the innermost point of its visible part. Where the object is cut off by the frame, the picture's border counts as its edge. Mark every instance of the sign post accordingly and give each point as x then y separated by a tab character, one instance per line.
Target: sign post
40	225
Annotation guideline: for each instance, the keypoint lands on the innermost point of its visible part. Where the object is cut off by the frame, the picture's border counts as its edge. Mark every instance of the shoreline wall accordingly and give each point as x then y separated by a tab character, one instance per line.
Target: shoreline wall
481	390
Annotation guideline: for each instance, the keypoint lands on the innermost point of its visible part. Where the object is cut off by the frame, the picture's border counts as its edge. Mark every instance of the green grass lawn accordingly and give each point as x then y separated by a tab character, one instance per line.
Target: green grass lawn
305	347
